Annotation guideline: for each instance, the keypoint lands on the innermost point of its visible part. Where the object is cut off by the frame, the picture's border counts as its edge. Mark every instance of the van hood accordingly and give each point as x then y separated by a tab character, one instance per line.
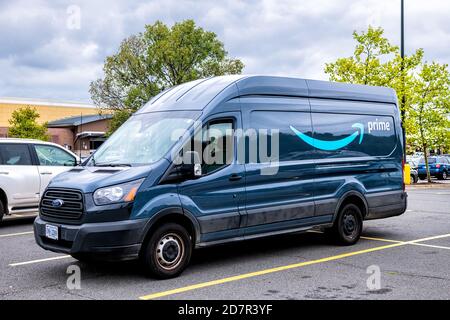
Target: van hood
89	179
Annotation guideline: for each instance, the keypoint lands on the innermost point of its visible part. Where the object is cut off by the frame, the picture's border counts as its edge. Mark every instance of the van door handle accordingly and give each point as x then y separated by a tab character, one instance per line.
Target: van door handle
46	172
235	177
4	172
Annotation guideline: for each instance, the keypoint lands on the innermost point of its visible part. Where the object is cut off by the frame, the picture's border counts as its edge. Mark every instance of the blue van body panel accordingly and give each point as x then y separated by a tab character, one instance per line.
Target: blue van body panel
195	95
314	176
346	91
273	86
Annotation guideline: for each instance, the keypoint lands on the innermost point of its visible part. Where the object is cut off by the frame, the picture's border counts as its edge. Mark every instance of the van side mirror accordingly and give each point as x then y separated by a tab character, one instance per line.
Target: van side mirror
191	165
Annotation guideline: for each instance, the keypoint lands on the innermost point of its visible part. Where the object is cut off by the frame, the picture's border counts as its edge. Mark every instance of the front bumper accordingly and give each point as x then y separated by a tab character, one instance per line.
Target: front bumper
118	240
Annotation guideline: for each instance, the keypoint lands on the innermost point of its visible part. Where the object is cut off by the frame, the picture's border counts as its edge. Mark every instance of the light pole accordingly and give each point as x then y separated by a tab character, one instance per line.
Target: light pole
402	55
402	30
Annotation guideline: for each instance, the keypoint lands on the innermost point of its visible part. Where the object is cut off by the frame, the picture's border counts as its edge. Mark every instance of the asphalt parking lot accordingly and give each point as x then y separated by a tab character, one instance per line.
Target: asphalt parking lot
411	252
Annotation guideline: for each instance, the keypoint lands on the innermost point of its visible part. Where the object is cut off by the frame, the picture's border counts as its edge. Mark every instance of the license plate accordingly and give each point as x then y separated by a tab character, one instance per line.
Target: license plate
51	232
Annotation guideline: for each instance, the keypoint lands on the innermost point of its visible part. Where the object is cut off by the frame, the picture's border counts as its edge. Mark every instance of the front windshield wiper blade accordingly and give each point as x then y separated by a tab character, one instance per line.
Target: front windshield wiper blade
112	165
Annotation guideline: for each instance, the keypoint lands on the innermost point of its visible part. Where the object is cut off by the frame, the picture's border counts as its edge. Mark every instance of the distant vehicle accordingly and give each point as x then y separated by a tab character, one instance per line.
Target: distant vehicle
439	167
414	175
26	168
417	155
413	163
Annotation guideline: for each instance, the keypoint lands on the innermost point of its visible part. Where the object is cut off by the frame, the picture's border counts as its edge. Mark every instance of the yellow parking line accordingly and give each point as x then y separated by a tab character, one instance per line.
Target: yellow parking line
15	234
281	268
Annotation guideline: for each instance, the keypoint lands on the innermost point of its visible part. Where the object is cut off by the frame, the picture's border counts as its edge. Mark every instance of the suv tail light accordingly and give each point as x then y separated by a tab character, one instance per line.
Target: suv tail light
438	166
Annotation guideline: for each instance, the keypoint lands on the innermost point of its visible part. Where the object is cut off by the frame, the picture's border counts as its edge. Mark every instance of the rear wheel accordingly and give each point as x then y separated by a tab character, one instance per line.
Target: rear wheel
443	176
348	225
168	251
413	179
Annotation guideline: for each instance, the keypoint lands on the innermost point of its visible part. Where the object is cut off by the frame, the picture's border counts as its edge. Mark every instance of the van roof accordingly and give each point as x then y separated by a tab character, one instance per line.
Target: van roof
196	95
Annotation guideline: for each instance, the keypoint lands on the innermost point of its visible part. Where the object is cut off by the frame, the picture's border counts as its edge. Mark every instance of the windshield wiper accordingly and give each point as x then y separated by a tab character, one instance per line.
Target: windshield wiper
113	165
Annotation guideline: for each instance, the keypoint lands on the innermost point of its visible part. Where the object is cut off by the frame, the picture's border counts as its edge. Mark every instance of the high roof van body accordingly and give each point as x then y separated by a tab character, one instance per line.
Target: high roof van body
228	159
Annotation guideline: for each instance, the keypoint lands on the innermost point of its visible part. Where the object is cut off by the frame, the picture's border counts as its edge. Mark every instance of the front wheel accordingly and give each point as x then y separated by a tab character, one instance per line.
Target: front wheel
168	251
348	225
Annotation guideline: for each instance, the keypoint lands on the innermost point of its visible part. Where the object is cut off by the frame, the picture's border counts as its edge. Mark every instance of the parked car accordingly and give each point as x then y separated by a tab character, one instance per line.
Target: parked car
135	199
414	175
413	164
439	167
26	168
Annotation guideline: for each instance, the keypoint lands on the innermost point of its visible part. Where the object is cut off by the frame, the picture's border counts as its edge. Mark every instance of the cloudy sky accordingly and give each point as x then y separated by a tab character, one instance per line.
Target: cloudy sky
46	52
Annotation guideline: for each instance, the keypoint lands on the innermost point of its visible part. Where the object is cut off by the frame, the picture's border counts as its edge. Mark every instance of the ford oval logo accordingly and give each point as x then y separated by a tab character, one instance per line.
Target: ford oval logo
57	203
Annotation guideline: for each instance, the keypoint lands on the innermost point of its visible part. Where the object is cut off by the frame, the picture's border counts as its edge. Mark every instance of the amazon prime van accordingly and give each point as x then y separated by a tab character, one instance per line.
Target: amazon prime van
228	159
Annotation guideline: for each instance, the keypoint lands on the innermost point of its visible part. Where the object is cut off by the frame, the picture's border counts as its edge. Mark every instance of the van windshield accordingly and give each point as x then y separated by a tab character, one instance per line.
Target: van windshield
143	139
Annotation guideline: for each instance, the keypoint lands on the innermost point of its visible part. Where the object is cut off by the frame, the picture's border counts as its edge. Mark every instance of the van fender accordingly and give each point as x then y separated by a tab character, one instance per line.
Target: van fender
345	196
176	210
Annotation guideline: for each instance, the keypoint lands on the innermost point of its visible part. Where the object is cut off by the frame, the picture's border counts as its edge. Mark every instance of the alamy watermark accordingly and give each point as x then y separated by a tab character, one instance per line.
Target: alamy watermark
373	282
73	21
214	146
74	279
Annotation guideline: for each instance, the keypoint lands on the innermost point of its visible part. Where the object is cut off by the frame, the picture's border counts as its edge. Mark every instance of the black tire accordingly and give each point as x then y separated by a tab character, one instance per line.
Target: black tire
167	252
422	177
443	176
348	225
414	178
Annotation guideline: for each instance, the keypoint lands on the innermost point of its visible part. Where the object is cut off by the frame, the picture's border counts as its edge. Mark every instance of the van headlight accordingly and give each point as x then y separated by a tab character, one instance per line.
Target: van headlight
125	192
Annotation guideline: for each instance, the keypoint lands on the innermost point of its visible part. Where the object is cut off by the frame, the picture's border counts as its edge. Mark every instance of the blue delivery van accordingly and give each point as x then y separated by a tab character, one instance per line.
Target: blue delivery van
227	159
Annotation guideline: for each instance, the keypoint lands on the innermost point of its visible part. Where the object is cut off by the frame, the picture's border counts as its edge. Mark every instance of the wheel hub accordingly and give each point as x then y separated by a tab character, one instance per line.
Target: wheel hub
349	224
169	251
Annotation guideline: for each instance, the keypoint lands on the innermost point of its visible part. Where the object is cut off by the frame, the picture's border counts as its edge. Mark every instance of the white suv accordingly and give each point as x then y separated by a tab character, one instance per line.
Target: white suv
26	168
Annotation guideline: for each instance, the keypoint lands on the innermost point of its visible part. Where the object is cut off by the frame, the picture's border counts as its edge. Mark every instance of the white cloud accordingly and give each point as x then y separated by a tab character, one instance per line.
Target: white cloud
41	57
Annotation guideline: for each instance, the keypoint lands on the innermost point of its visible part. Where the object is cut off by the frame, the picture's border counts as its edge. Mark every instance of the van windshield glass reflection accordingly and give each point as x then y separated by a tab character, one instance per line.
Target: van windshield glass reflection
143	139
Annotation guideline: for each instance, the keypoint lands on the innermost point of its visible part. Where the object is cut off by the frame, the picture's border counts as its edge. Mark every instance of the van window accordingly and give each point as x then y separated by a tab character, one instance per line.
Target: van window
339	135
217	144
15	155
290	146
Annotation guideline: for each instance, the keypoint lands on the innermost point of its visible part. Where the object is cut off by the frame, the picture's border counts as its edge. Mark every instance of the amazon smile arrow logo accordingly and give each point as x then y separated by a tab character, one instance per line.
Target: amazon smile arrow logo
332	145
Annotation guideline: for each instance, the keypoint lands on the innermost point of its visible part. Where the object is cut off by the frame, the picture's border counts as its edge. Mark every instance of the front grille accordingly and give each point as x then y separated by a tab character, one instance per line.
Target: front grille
71	209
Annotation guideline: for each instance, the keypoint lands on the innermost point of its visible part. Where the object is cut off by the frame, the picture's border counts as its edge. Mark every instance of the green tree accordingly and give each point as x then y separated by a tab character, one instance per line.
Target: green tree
158	58
23	124
422	88
427	116
377	62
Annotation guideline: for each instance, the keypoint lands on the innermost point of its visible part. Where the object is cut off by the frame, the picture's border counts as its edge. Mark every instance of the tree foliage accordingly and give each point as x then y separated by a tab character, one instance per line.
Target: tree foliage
422	88
23	124
427	115
158	58
377	62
